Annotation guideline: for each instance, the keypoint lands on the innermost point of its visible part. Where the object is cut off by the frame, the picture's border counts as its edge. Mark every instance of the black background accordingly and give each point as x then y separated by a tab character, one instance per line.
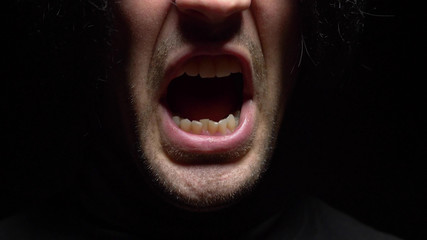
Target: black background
368	133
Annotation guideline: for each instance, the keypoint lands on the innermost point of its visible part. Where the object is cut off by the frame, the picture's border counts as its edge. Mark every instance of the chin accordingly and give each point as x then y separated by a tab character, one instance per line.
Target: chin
205	187
205	181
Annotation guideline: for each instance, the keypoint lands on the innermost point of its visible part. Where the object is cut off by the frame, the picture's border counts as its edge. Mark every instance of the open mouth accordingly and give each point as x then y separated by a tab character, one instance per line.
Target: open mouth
208	106
207	97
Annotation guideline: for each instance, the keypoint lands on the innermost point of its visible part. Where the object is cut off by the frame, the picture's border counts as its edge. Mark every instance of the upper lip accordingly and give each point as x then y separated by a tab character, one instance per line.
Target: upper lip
177	62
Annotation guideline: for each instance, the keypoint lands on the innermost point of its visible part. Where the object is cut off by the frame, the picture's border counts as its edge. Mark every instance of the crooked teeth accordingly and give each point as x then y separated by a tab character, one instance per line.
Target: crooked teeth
211	66
208	127
212	126
196	127
185	125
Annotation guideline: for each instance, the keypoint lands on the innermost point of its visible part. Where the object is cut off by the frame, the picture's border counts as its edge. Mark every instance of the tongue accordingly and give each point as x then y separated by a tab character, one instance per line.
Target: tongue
198	98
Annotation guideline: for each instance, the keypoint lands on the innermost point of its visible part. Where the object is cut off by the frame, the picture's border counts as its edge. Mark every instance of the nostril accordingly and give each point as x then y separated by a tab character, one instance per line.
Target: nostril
214	11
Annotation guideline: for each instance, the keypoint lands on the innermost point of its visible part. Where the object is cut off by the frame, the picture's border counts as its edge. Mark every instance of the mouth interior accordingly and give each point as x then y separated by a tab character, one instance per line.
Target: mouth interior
198	98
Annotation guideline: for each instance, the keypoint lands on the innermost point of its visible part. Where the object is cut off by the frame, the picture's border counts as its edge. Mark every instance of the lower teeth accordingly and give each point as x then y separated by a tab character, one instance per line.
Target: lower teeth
208	127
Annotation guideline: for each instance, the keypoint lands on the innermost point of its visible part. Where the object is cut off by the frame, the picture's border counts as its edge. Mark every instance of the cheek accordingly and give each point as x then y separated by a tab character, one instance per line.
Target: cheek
141	22
143	15
278	26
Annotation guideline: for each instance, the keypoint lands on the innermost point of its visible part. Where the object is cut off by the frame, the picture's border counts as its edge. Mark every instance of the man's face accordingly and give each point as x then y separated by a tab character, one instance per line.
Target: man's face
207	81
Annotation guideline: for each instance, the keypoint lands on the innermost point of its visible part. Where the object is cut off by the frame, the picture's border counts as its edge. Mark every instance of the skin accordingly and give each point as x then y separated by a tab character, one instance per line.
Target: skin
151	36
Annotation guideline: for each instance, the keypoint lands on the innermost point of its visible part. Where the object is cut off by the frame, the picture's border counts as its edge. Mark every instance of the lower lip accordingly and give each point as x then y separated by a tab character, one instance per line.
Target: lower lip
203	144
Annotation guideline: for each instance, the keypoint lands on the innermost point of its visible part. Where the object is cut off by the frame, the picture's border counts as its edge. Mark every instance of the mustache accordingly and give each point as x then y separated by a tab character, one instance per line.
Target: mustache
179	39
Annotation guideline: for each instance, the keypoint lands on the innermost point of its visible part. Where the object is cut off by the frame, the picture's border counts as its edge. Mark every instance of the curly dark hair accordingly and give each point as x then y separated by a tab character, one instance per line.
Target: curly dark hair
331	26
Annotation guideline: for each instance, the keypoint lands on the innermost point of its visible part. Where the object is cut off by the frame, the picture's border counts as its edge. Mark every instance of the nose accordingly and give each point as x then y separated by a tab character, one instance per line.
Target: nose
214	11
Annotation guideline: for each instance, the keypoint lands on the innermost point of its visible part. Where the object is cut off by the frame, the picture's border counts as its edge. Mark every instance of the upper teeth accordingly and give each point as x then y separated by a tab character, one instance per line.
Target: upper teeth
211	66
